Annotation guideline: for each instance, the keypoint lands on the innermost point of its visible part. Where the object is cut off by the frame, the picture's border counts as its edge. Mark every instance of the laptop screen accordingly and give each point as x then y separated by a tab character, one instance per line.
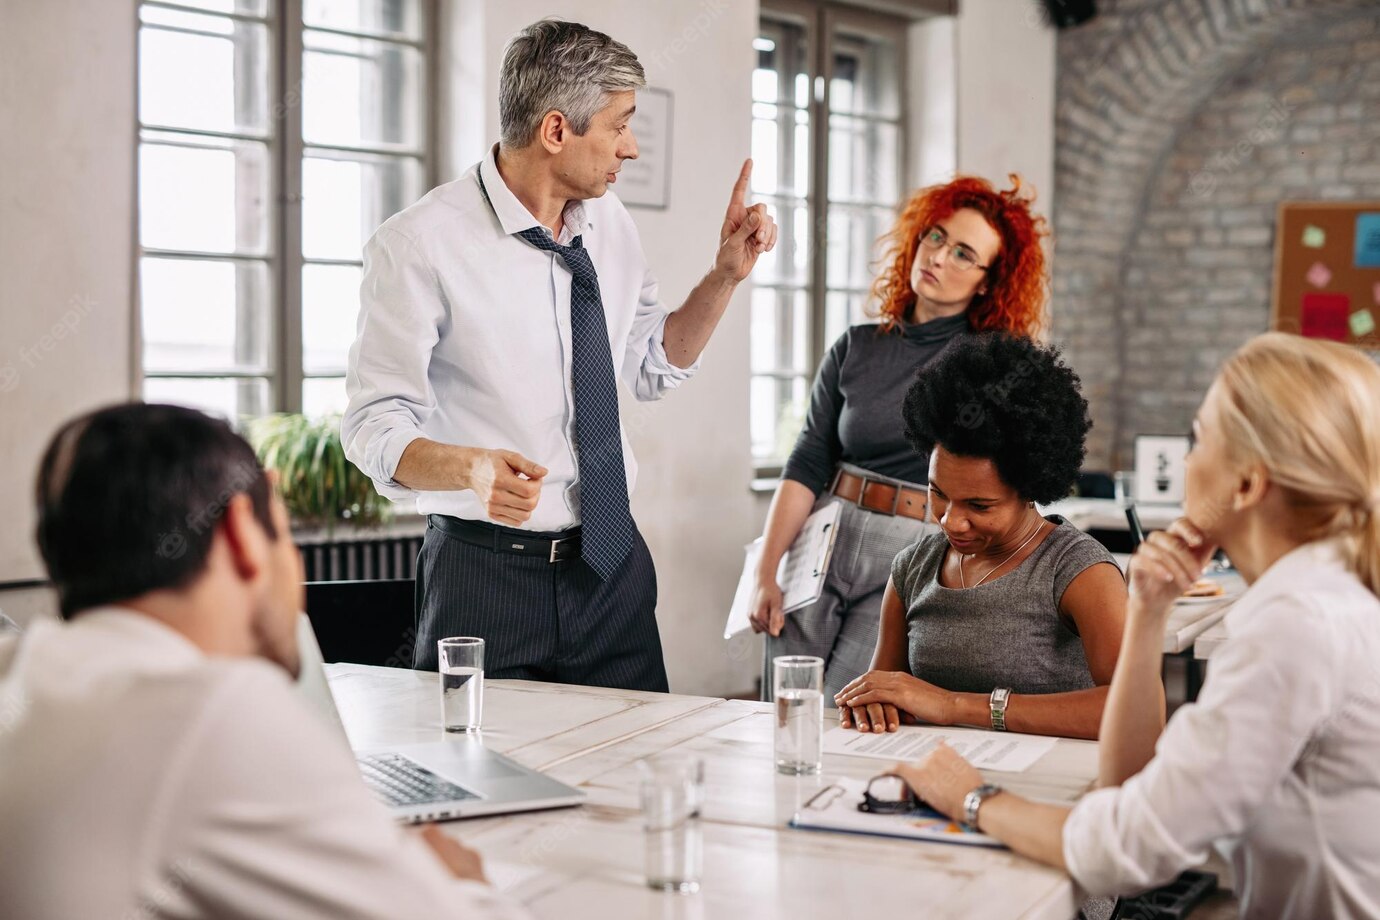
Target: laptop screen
311	679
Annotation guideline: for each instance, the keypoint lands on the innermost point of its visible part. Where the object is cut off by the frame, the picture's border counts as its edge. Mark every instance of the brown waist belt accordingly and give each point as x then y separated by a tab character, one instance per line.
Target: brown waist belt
880	496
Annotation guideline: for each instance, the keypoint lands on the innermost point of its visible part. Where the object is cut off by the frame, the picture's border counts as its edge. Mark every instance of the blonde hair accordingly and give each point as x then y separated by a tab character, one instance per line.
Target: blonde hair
1309	412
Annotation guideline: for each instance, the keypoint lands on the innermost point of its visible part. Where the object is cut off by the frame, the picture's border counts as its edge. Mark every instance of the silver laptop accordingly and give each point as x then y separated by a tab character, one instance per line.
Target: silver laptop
457	778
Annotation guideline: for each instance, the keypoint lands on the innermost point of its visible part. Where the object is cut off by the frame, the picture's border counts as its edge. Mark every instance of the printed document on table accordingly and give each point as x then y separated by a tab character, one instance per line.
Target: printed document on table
1005	751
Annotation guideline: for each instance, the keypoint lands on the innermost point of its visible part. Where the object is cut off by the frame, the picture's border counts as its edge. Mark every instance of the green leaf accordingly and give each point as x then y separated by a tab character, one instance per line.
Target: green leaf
319	484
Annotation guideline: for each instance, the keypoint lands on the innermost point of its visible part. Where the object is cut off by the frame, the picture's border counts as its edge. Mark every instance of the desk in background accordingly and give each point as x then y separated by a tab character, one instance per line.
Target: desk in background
1104	519
1106	514
587	862
1210	641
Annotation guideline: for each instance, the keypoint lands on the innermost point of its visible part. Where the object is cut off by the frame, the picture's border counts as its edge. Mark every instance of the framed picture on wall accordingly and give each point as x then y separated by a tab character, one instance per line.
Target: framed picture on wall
1160	468
646	181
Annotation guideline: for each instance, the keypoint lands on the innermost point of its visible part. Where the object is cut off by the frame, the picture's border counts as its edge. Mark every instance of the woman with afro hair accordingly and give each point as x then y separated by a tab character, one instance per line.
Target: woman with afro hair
1006	618
962	258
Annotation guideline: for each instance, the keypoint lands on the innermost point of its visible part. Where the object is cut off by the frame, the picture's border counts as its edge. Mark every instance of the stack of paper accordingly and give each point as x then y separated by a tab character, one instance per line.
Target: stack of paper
1189	621
800	574
1010	752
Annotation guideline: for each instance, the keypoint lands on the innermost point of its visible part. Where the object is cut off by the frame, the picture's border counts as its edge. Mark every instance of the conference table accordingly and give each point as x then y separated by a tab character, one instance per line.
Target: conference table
587	862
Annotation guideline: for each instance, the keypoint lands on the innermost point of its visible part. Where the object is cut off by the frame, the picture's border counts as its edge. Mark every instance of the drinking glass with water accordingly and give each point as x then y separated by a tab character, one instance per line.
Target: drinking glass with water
798	688
672	792
461	663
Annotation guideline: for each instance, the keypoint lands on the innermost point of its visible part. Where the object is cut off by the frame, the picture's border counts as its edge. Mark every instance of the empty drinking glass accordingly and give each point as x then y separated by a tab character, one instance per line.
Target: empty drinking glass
672	792
461	663
797	687
1124	488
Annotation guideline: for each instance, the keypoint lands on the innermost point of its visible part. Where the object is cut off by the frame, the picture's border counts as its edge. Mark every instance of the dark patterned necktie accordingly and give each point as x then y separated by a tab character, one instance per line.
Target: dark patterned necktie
606	522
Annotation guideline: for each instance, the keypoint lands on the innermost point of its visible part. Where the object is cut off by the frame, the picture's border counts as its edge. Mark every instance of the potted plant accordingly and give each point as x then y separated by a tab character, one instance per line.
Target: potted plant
319	486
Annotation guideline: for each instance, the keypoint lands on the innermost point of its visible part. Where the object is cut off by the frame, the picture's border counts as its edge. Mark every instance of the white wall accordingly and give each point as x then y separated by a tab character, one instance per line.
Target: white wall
1005	86
932	105
692	500
66	220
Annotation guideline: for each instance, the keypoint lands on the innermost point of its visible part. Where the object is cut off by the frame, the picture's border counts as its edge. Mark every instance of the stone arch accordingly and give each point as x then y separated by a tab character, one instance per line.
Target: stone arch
1128	84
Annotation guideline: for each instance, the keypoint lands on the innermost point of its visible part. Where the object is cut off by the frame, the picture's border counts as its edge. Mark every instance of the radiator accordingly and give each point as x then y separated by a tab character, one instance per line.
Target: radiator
361	559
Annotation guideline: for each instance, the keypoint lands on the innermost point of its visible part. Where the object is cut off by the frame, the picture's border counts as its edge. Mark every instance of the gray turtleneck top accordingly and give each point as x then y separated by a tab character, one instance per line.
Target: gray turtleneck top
855	404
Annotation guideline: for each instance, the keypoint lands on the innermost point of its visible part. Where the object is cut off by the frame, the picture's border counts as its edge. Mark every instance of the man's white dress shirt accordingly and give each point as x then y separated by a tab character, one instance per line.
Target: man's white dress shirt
1278	763
463	337
140	778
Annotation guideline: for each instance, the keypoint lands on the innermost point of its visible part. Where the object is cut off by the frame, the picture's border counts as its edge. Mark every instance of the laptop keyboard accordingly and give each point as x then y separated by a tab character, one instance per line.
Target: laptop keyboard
400	781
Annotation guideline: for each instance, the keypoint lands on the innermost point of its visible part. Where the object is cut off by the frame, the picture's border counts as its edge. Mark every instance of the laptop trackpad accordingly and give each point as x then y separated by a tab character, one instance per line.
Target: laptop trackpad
491	767
467	759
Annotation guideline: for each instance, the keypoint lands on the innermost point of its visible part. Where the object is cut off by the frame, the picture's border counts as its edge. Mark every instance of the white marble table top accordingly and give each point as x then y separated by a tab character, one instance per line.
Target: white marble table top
587	862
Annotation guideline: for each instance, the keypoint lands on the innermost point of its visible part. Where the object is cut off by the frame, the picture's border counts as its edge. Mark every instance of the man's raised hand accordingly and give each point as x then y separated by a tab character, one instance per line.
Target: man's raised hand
747	232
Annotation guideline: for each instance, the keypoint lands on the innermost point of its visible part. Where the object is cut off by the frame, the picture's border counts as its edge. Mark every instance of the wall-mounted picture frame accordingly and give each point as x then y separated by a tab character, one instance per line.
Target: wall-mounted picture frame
1160	468
646	181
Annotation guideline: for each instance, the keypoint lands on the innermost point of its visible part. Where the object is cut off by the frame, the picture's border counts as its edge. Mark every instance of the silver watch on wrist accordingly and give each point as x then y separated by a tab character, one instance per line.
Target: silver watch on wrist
973	801
997	703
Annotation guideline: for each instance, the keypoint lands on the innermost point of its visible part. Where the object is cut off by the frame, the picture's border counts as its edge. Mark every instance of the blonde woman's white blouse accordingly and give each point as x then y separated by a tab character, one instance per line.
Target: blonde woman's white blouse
1278	762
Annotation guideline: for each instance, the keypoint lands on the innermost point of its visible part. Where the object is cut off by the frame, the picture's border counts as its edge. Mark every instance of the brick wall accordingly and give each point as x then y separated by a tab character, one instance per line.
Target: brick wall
1180	126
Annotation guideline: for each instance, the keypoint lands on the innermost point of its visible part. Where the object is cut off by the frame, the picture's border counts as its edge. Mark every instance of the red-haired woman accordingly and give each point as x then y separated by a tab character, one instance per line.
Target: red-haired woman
963	257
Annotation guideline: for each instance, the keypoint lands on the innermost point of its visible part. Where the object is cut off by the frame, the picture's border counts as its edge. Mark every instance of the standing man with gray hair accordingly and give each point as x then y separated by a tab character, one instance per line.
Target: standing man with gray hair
495	315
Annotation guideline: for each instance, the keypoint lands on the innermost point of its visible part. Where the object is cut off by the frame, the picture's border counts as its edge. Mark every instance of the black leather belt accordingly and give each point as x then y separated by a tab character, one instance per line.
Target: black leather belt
507	540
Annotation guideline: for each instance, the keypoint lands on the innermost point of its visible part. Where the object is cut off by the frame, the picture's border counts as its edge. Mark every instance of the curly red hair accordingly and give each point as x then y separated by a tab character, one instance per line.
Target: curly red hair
1017	282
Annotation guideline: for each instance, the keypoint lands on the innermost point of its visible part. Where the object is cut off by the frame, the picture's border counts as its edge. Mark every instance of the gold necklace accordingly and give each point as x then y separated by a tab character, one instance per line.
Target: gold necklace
962	557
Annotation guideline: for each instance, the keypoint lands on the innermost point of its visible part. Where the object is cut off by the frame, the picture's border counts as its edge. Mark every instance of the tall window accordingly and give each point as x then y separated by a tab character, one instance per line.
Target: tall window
828	148
275	136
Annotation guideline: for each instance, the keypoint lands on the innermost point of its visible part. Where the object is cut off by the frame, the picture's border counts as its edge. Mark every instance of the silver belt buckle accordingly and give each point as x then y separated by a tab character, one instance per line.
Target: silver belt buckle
554	544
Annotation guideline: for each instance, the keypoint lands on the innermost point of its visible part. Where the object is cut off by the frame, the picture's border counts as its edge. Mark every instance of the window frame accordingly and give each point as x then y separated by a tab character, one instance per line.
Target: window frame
284	260
820	21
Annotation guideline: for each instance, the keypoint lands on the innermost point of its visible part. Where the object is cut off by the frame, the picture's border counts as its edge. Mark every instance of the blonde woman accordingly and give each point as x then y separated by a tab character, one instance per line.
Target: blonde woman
1278	762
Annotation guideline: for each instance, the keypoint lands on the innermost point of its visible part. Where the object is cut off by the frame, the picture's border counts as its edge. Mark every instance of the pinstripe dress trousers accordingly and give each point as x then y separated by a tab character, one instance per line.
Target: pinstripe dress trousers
540	620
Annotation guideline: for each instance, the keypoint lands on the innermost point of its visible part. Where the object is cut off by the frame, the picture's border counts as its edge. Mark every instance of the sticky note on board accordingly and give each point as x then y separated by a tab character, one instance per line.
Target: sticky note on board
1375	293
1319	275
1368	240
1325	316
1314	237
1362	323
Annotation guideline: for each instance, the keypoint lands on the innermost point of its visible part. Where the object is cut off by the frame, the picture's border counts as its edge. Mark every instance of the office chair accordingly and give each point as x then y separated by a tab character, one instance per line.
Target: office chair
364	622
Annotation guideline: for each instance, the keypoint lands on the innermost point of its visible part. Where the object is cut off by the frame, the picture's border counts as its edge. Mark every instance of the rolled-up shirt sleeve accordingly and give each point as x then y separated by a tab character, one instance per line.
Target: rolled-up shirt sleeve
1217	761
647	370
401	309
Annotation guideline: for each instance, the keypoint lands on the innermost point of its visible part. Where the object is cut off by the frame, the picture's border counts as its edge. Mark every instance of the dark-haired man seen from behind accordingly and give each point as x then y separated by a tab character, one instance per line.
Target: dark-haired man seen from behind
155	759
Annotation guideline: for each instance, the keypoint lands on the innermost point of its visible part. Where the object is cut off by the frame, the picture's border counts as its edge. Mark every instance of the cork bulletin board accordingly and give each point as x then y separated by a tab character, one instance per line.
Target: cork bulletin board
1327	271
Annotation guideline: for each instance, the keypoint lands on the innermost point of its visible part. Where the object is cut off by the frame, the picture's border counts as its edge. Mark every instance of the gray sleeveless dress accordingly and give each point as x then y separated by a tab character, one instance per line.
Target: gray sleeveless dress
1004	633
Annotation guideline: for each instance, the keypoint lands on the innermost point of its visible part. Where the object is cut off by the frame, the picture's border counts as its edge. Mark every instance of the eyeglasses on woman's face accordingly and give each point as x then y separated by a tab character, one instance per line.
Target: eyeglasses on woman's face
963	258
